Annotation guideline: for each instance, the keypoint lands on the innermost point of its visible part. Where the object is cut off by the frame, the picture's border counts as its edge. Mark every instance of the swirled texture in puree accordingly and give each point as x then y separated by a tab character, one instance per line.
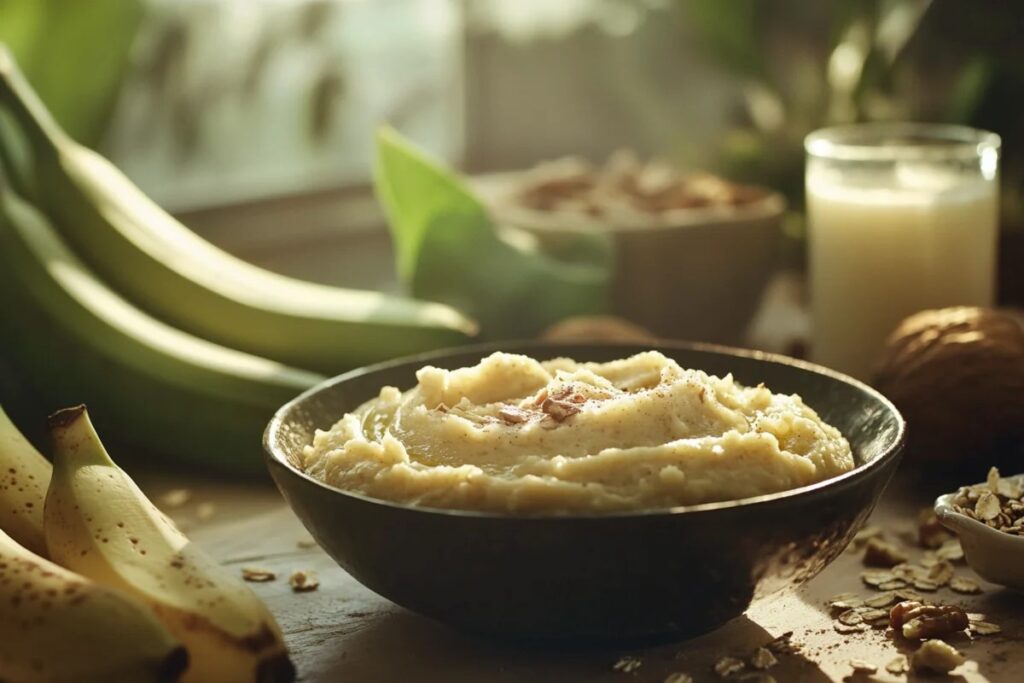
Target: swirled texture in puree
515	435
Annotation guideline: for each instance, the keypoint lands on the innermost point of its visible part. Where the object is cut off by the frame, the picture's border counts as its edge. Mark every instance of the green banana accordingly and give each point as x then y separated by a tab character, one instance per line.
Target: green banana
177	276
100	524
24	476
59	627
154	384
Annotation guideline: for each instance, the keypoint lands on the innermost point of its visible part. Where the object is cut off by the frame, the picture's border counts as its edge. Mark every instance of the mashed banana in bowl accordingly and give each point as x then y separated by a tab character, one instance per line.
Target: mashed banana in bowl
520	436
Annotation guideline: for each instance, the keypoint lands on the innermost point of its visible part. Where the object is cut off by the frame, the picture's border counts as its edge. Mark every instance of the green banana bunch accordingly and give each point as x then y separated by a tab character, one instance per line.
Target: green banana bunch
100	524
155	384
24	476
59	627
174	274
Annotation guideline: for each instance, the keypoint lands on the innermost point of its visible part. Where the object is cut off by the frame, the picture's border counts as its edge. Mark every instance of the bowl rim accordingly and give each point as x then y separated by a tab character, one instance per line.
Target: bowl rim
275	457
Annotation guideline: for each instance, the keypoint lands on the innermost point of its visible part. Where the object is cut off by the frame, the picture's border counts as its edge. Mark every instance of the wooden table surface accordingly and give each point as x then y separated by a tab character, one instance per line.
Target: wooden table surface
344	632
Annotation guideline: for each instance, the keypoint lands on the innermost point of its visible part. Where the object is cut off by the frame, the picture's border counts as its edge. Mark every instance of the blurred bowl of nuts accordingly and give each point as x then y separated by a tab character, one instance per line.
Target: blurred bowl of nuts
693	251
989	519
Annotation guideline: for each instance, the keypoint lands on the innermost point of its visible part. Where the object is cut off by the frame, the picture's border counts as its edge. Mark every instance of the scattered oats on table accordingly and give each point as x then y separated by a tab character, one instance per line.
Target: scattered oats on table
305	543
951	550
984	628
729	666
205	511
763	659
175	498
678	677
860	666
258	574
898	666
882	599
627	665
304	580
965	585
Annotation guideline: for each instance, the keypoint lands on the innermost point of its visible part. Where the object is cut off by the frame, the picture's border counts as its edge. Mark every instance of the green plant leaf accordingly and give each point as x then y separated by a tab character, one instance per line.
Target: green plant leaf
448	249
75	54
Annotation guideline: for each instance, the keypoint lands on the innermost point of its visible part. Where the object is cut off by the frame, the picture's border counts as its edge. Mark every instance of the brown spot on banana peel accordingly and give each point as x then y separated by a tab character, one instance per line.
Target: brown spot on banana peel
277	662
65	417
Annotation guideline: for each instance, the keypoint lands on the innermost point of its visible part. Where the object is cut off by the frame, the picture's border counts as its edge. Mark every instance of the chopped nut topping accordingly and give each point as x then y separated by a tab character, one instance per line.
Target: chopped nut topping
627	665
763	659
917	621
258	574
513	415
879	553
728	666
303	581
559	411
937	656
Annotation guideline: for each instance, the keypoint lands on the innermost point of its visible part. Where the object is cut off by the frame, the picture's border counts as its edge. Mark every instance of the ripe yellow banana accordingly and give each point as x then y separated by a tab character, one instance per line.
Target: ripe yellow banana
77	340
59	627
24	476
168	270
100	524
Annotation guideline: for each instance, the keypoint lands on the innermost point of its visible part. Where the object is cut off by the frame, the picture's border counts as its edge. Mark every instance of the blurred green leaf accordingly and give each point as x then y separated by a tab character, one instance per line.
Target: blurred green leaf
729	31
75	54
449	250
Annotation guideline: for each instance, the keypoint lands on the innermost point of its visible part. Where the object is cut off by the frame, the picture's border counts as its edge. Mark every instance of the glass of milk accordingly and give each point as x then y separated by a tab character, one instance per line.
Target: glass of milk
901	217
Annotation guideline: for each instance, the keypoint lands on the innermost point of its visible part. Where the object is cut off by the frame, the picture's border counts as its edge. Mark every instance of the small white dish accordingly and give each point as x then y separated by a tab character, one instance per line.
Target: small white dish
996	556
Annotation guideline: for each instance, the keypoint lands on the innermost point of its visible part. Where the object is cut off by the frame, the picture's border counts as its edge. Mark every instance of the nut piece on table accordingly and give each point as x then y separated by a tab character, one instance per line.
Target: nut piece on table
763	659
728	666
917	621
898	666
304	581
937	656
930	532
879	553
258	574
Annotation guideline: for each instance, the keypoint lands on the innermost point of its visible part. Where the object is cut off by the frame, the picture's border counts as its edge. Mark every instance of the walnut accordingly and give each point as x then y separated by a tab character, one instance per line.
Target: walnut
917	621
937	656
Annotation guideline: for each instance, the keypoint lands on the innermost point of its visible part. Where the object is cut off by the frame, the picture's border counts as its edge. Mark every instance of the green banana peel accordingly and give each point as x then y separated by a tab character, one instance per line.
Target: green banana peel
449	249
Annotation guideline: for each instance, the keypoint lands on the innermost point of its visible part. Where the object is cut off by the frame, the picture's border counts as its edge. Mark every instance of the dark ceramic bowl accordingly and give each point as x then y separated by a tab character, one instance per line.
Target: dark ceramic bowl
622	576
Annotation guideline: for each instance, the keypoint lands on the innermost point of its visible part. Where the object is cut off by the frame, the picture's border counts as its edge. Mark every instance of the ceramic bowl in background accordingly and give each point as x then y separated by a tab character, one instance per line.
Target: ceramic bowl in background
685	274
996	556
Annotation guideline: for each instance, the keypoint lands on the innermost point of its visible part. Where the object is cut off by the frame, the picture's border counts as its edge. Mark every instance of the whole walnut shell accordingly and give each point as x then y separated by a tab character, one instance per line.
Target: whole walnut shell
957	375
